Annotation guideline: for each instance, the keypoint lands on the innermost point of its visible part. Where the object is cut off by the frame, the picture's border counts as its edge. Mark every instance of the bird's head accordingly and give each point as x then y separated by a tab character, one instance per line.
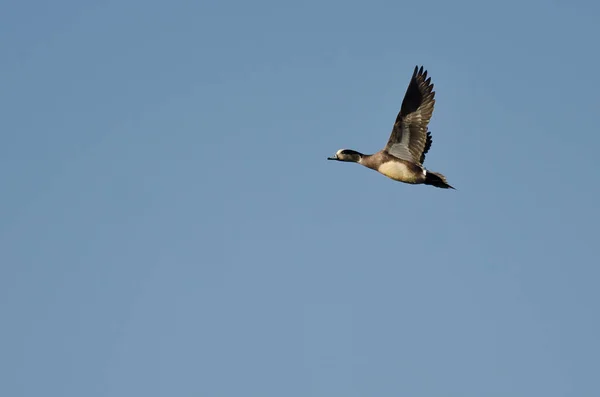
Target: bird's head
347	155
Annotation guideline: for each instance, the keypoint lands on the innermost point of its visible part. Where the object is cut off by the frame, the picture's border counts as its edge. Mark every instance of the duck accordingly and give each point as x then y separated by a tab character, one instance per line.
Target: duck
404	154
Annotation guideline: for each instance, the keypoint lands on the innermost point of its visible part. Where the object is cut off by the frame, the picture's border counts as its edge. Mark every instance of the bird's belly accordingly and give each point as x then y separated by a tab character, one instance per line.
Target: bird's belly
399	172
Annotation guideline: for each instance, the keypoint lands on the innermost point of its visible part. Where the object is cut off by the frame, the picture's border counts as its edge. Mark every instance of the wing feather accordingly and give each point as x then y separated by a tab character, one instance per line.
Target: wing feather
427	146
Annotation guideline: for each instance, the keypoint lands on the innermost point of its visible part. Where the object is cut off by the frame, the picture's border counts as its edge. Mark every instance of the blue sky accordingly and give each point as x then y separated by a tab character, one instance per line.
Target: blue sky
170	225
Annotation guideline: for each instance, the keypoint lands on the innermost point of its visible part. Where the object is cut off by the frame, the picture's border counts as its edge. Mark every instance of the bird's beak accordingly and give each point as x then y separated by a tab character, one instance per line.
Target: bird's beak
332	158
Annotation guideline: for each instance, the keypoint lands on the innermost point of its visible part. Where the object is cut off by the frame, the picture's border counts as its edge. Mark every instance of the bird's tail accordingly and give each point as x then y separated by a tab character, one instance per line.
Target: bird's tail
436	179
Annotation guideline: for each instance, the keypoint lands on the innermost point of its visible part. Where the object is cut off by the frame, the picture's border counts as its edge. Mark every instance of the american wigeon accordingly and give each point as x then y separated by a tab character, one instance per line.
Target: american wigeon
402	158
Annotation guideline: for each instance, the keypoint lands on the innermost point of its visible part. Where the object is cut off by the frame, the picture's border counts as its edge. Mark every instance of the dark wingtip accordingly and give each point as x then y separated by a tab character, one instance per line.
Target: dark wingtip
420	72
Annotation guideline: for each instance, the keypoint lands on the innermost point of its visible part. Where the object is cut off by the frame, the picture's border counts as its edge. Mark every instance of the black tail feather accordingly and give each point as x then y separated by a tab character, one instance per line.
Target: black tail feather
438	180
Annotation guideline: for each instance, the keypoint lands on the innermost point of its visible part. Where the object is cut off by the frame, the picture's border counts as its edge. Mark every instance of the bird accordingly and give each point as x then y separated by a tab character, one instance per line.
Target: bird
403	157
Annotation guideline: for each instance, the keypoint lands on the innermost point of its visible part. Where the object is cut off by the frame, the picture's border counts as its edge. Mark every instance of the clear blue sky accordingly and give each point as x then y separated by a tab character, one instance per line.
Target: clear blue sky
170	225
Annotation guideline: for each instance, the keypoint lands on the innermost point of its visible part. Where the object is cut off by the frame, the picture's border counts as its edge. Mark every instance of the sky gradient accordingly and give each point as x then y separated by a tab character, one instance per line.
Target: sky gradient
169	224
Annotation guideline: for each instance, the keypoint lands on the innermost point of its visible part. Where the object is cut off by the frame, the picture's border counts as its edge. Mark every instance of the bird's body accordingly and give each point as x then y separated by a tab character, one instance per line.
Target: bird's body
402	158
393	167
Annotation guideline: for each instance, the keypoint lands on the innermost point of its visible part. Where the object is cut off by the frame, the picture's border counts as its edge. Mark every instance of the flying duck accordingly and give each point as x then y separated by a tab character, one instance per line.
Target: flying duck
403	156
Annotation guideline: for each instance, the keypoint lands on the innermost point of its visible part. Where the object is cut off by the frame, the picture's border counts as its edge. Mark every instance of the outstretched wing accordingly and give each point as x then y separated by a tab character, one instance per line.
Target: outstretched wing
409	139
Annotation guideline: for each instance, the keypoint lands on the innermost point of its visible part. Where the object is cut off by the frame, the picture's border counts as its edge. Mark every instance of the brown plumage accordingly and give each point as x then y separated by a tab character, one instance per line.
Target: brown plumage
403	157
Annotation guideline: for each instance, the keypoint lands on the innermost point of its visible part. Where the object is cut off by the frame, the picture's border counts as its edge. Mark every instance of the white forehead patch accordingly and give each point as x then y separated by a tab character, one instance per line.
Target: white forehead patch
338	152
